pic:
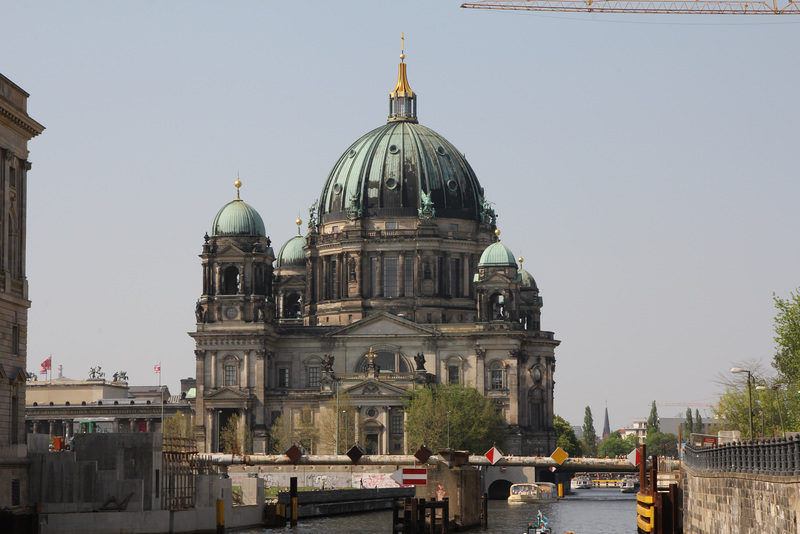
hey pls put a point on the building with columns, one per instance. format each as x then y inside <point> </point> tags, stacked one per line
<point>400,281</point>
<point>16,129</point>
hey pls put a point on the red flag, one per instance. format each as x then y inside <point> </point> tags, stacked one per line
<point>157,368</point>
<point>46,365</point>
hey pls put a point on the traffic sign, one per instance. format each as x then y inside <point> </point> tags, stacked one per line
<point>411,476</point>
<point>493,455</point>
<point>559,455</point>
<point>634,457</point>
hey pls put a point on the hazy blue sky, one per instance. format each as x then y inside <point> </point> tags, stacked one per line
<point>644,166</point>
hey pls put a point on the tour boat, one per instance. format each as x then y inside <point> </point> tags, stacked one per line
<point>538,492</point>
<point>582,482</point>
<point>629,485</point>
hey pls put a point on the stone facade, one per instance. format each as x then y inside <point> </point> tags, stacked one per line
<point>399,282</point>
<point>16,129</point>
<point>719,503</point>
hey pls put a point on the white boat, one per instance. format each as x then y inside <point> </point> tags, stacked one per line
<point>582,482</point>
<point>629,485</point>
<point>537,492</point>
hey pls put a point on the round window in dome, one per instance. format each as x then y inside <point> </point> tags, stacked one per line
<point>393,149</point>
<point>452,185</point>
<point>391,183</point>
<point>337,188</point>
<point>352,153</point>
<point>440,150</point>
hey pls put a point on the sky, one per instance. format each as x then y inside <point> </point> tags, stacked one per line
<point>645,167</point>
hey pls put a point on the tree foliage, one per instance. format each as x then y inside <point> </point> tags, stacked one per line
<point>787,337</point>
<point>653,422</point>
<point>300,430</point>
<point>688,425</point>
<point>698,422</point>
<point>235,437</point>
<point>659,443</point>
<point>178,426</point>
<point>566,438</point>
<point>456,414</point>
<point>589,434</point>
<point>342,418</point>
<point>614,445</point>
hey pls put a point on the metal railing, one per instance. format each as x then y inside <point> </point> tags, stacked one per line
<point>775,457</point>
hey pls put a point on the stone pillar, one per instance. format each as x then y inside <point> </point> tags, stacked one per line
<point>379,274</point>
<point>480,370</point>
<point>401,273</point>
<point>245,383</point>
<point>213,377</point>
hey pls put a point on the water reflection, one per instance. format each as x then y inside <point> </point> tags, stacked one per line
<point>594,511</point>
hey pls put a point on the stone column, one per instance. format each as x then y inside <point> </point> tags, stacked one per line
<point>379,274</point>
<point>213,381</point>
<point>401,273</point>
<point>246,370</point>
<point>480,370</point>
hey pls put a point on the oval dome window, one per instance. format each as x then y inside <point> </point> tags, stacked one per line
<point>391,183</point>
<point>452,185</point>
<point>393,149</point>
<point>337,188</point>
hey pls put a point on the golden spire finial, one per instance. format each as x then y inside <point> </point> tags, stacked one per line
<point>520,260</point>
<point>402,46</point>
<point>497,233</point>
<point>298,222</point>
<point>237,184</point>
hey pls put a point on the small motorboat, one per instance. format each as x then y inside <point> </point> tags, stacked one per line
<point>629,485</point>
<point>537,492</point>
<point>540,527</point>
<point>582,482</point>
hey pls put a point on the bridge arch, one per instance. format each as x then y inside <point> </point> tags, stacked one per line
<point>499,489</point>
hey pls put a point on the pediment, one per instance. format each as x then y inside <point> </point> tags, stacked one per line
<point>292,281</point>
<point>229,250</point>
<point>495,279</point>
<point>227,393</point>
<point>375,388</point>
<point>383,324</point>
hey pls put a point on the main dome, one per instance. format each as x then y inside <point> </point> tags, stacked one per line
<point>399,168</point>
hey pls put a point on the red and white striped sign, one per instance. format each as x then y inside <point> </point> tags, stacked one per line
<point>493,455</point>
<point>411,476</point>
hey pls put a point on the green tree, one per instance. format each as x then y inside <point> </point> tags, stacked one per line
<point>349,425</point>
<point>633,440</point>
<point>659,443</point>
<point>178,426</point>
<point>566,438</point>
<point>688,426</point>
<point>456,414</point>
<point>698,422</point>
<point>614,446</point>
<point>653,422</point>
<point>787,337</point>
<point>235,437</point>
<point>589,435</point>
<point>301,431</point>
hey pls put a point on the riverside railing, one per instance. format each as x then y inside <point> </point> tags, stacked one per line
<point>775,457</point>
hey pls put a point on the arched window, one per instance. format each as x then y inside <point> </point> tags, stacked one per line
<point>313,367</point>
<point>230,281</point>
<point>497,306</point>
<point>454,370</point>
<point>387,360</point>
<point>292,306</point>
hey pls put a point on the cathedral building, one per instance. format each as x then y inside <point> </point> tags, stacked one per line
<point>16,129</point>
<point>400,281</point>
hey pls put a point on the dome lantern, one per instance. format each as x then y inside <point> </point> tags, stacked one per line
<point>402,101</point>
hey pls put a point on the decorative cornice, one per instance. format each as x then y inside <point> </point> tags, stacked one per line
<point>21,120</point>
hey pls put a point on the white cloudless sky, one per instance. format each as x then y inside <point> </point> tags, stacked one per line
<point>646,168</point>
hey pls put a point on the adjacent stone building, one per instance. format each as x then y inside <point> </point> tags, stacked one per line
<point>16,129</point>
<point>399,281</point>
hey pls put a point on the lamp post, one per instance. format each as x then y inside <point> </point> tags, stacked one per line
<point>737,370</point>
<point>775,388</point>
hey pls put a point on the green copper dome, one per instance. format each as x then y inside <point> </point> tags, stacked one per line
<point>237,218</point>
<point>526,280</point>
<point>399,168</point>
<point>292,253</point>
<point>497,255</point>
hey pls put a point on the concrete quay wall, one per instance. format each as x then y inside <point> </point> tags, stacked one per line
<point>720,503</point>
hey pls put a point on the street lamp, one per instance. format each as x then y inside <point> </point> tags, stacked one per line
<point>737,370</point>
<point>775,388</point>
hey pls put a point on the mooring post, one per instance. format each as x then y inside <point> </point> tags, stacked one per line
<point>293,500</point>
<point>485,510</point>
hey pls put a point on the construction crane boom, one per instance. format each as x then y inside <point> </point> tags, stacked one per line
<point>676,7</point>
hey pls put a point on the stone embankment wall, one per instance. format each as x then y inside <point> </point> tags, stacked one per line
<point>729,502</point>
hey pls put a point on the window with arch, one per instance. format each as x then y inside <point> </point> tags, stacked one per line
<point>230,370</point>
<point>293,306</point>
<point>497,304</point>
<point>313,372</point>
<point>388,360</point>
<point>497,376</point>
<point>230,280</point>
<point>455,370</point>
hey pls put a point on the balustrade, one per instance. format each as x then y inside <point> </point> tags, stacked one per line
<point>777,457</point>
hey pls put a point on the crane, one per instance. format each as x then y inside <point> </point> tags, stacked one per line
<point>675,7</point>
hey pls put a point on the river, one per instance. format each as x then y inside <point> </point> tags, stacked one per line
<point>594,511</point>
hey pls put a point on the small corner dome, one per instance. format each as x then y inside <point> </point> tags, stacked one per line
<point>526,280</point>
<point>497,255</point>
<point>292,253</point>
<point>237,218</point>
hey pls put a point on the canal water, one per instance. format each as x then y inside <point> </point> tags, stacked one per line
<point>593,511</point>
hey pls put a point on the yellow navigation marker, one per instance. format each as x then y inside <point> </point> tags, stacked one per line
<point>559,455</point>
